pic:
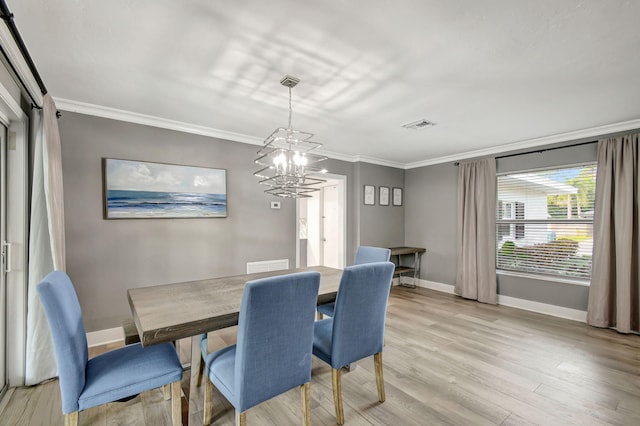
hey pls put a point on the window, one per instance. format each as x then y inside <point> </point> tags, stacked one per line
<point>544,221</point>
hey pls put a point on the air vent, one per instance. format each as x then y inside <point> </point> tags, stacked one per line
<point>419,124</point>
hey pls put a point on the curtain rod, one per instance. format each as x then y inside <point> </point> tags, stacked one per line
<point>539,151</point>
<point>7,16</point>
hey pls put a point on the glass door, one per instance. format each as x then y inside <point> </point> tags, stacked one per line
<point>5,258</point>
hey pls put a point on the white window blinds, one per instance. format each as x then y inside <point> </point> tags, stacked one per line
<point>544,221</point>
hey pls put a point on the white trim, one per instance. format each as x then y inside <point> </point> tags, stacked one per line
<point>180,126</point>
<point>591,132</point>
<point>547,278</point>
<point>17,224</point>
<point>379,162</point>
<point>149,120</point>
<point>543,308</point>
<point>103,337</point>
<point>12,105</point>
<point>17,60</point>
<point>526,305</point>
<point>433,285</point>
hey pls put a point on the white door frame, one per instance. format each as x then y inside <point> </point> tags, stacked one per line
<point>342,181</point>
<point>16,121</point>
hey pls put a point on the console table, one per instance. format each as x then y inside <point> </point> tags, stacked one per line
<point>404,269</point>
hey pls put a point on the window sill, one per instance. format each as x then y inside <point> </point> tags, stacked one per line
<point>573,281</point>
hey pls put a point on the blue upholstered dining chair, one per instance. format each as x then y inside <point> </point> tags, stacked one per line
<point>109,377</point>
<point>356,330</point>
<point>364,255</point>
<point>273,350</point>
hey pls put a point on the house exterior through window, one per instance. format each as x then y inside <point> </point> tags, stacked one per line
<point>544,221</point>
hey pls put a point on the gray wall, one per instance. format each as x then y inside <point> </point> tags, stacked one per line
<point>106,257</point>
<point>430,222</point>
<point>381,226</point>
<point>430,219</point>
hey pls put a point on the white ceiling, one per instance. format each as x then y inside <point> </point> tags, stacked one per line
<point>489,72</point>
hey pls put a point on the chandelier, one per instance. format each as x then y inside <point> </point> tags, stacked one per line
<point>286,159</point>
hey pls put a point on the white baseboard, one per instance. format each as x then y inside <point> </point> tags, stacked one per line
<point>102,337</point>
<point>433,285</point>
<point>513,302</point>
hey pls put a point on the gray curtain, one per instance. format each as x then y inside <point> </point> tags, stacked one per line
<point>614,295</point>
<point>476,258</point>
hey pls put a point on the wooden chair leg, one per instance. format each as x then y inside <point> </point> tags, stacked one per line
<point>166,391</point>
<point>319,316</point>
<point>241,418</point>
<point>200,371</point>
<point>208,402</point>
<point>306,404</point>
<point>337,395</point>
<point>176,403</point>
<point>377,360</point>
<point>71,419</point>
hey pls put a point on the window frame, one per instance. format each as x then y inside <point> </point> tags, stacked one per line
<point>514,224</point>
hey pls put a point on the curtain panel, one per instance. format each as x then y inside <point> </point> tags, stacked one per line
<point>614,294</point>
<point>476,255</point>
<point>46,238</point>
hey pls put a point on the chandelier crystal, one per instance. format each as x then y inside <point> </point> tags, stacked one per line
<point>286,159</point>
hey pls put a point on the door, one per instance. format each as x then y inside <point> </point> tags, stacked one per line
<point>330,226</point>
<point>321,221</point>
<point>5,258</point>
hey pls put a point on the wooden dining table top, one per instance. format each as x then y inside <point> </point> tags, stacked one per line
<point>170,312</point>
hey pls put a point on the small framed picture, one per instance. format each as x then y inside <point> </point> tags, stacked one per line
<point>397,196</point>
<point>383,197</point>
<point>369,195</point>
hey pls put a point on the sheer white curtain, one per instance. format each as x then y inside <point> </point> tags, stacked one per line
<point>476,260</point>
<point>614,294</point>
<point>46,238</point>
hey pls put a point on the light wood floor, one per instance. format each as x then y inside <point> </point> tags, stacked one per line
<point>446,361</point>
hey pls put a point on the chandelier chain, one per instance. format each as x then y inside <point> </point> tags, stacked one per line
<point>290,108</point>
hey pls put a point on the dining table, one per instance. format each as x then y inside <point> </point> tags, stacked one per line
<point>171,312</point>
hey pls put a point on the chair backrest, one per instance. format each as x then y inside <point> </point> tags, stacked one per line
<point>360,311</point>
<point>275,336</point>
<point>366,254</point>
<point>63,313</point>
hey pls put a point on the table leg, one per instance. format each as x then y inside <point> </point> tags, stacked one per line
<point>195,365</point>
<point>189,352</point>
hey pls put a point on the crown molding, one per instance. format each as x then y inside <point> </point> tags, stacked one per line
<point>14,56</point>
<point>380,162</point>
<point>149,120</point>
<point>591,132</point>
<point>180,126</point>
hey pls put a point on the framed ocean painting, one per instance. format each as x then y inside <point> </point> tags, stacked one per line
<point>142,190</point>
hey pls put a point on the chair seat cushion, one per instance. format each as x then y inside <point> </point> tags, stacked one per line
<point>322,339</point>
<point>127,371</point>
<point>327,309</point>
<point>220,368</point>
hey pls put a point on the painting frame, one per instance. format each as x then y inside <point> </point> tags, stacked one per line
<point>397,196</point>
<point>139,189</point>
<point>369,195</point>
<point>383,195</point>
